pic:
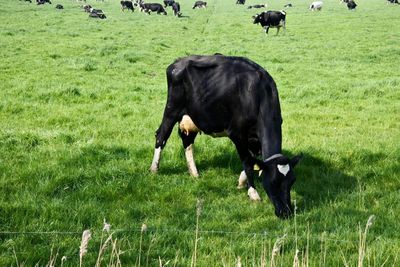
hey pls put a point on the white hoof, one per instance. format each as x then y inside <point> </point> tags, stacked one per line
<point>253,195</point>
<point>242,180</point>
<point>194,174</point>
<point>153,168</point>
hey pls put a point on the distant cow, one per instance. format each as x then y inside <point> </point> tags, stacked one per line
<point>152,7</point>
<point>317,5</point>
<point>393,2</point>
<point>351,5</point>
<point>199,4</point>
<point>271,19</point>
<point>94,13</point>
<point>58,6</point>
<point>257,6</point>
<point>168,3</point>
<point>240,2</point>
<point>42,2</point>
<point>97,15</point>
<point>177,9</point>
<point>87,8</point>
<point>127,5</point>
<point>234,97</point>
<point>288,5</point>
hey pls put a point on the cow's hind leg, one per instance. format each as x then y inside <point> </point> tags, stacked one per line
<point>188,141</point>
<point>172,114</point>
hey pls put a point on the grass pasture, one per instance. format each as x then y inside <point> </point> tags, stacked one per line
<point>80,100</point>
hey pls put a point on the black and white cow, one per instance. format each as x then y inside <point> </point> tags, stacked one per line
<point>317,5</point>
<point>127,5</point>
<point>234,97</point>
<point>97,13</point>
<point>86,8</point>
<point>351,5</point>
<point>168,3</point>
<point>176,7</point>
<point>288,5</point>
<point>393,1</point>
<point>58,6</point>
<point>200,4</point>
<point>42,2</point>
<point>240,2</point>
<point>257,6</point>
<point>152,7</point>
<point>271,19</point>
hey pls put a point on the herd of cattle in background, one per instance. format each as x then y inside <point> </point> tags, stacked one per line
<point>267,19</point>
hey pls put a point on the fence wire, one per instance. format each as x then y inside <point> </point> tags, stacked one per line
<point>323,237</point>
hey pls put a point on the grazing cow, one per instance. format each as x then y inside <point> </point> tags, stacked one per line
<point>176,7</point>
<point>271,19</point>
<point>87,8</point>
<point>155,7</point>
<point>351,5</point>
<point>127,5</point>
<point>317,5</point>
<point>97,13</point>
<point>288,5</point>
<point>30,1</point>
<point>42,2</point>
<point>257,6</point>
<point>200,4</point>
<point>393,2</point>
<point>234,97</point>
<point>168,3</point>
<point>240,2</point>
<point>58,6</point>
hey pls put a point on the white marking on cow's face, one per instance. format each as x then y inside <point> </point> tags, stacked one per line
<point>190,161</point>
<point>284,169</point>
<point>156,160</point>
<point>253,195</point>
<point>242,180</point>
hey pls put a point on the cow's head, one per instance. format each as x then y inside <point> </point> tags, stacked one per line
<point>278,178</point>
<point>257,18</point>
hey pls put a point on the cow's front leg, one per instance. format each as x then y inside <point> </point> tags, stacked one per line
<point>242,181</point>
<point>251,188</point>
<point>188,142</point>
<point>248,165</point>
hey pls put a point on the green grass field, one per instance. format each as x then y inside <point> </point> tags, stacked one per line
<point>80,100</point>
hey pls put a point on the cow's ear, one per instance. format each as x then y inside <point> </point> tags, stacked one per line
<point>293,162</point>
